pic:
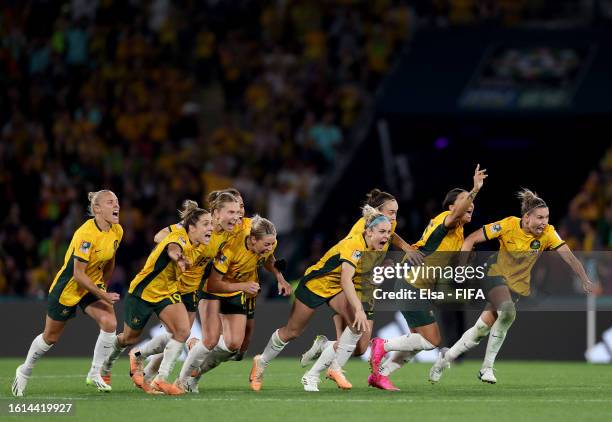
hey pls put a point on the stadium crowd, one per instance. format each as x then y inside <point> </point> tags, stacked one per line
<point>97,93</point>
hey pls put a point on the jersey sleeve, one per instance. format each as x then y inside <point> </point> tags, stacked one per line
<point>178,237</point>
<point>350,252</point>
<point>495,230</point>
<point>83,245</point>
<point>553,240</point>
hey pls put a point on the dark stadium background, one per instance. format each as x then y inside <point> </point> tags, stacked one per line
<point>214,94</point>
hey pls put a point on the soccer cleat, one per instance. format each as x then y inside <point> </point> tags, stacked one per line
<point>435,373</point>
<point>136,369</point>
<point>487,375</point>
<point>256,375</point>
<point>191,385</point>
<point>106,376</point>
<point>165,387</point>
<point>377,354</point>
<point>315,350</point>
<point>382,382</point>
<point>310,383</point>
<point>98,382</point>
<point>20,383</point>
<point>339,378</point>
<point>238,356</point>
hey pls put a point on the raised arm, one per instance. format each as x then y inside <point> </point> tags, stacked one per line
<point>454,217</point>
<point>412,255</point>
<point>569,257</point>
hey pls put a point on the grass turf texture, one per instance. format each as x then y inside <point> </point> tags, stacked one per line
<point>525,391</point>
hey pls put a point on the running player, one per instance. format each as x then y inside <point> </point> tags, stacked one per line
<point>444,234</point>
<point>332,280</point>
<point>188,285</point>
<point>387,205</point>
<point>88,266</point>
<point>234,283</point>
<point>521,241</point>
<point>155,290</point>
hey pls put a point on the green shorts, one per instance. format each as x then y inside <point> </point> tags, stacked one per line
<point>138,311</point>
<point>234,305</point>
<point>309,298</point>
<point>420,312</point>
<point>419,318</point>
<point>490,282</point>
<point>59,312</point>
<point>190,300</point>
<point>367,308</point>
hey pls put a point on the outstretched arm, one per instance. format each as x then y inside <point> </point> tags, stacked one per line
<point>284,288</point>
<point>454,217</point>
<point>569,257</point>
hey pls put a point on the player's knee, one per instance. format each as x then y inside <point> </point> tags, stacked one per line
<point>108,323</point>
<point>233,346</point>
<point>181,335</point>
<point>51,338</point>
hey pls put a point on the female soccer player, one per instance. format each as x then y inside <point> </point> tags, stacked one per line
<point>88,265</point>
<point>443,234</point>
<point>188,288</point>
<point>234,282</point>
<point>154,289</point>
<point>521,241</point>
<point>331,280</point>
<point>386,204</point>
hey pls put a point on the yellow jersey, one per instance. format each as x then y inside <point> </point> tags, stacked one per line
<point>218,240</point>
<point>189,281</point>
<point>359,227</point>
<point>158,278</point>
<point>323,278</point>
<point>438,243</point>
<point>518,251</point>
<point>92,245</point>
<point>438,237</point>
<point>237,263</point>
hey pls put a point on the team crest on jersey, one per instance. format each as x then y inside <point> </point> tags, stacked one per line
<point>222,258</point>
<point>356,255</point>
<point>535,244</point>
<point>85,246</point>
<point>496,228</point>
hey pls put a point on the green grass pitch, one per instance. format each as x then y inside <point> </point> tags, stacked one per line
<point>525,391</point>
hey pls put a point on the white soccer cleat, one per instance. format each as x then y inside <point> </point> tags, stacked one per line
<point>487,375</point>
<point>98,382</point>
<point>315,350</point>
<point>310,383</point>
<point>435,373</point>
<point>191,385</point>
<point>20,383</point>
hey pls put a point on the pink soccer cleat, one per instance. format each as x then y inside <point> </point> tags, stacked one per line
<point>382,382</point>
<point>377,353</point>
